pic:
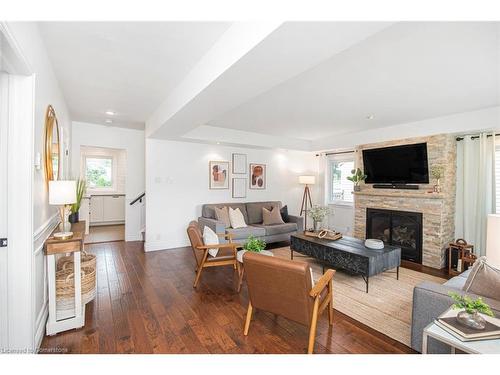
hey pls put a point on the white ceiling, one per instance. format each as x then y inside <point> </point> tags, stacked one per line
<point>301,83</point>
<point>407,72</point>
<point>127,67</point>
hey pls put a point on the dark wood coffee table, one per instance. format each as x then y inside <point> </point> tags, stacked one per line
<point>349,254</point>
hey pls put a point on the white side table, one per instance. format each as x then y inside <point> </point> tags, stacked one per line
<point>472,347</point>
<point>239,257</point>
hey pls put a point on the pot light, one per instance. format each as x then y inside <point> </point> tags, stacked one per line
<point>370,117</point>
<point>108,121</point>
<point>110,113</point>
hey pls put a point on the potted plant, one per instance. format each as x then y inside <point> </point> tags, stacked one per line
<point>471,310</point>
<point>81,185</point>
<point>254,244</point>
<point>437,172</point>
<point>318,214</point>
<point>356,178</point>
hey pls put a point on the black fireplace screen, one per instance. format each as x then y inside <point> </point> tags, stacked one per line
<point>398,228</point>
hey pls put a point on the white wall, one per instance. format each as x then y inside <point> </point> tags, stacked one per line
<point>177,179</point>
<point>46,91</point>
<point>130,140</point>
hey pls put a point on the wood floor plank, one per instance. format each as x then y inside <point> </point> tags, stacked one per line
<point>145,303</point>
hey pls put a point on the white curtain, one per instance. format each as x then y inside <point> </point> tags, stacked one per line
<point>475,197</point>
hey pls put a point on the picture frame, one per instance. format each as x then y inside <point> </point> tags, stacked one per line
<point>239,187</point>
<point>218,175</point>
<point>239,163</point>
<point>257,176</point>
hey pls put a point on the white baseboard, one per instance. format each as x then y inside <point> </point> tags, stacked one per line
<point>40,325</point>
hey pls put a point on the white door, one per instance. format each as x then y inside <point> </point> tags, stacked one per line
<point>3,209</point>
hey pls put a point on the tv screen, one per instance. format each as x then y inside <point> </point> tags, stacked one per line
<point>405,164</point>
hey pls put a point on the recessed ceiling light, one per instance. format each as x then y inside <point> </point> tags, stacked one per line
<point>370,117</point>
<point>108,121</point>
<point>110,113</point>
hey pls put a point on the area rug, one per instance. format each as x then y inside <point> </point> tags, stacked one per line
<point>386,308</point>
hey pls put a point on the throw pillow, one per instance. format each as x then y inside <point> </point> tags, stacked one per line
<point>222,214</point>
<point>284,214</point>
<point>483,280</point>
<point>236,218</point>
<point>271,217</point>
<point>210,238</point>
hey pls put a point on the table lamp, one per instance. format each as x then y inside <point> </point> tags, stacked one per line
<point>306,198</point>
<point>63,194</point>
<point>493,240</point>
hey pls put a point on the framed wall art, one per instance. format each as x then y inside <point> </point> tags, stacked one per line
<point>257,176</point>
<point>239,163</point>
<point>239,187</point>
<point>218,174</point>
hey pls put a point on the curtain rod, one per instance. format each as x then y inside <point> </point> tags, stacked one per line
<point>458,139</point>
<point>337,153</point>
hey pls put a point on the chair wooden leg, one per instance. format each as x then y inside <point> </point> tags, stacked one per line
<point>240,278</point>
<point>330,305</point>
<point>312,330</point>
<point>200,269</point>
<point>249,318</point>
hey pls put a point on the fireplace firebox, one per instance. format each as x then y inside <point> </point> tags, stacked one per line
<point>398,228</point>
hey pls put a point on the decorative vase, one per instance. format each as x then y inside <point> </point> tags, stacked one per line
<point>474,320</point>
<point>73,218</point>
<point>357,188</point>
<point>316,224</point>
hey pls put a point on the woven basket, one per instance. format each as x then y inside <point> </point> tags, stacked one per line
<point>86,260</point>
<point>65,287</point>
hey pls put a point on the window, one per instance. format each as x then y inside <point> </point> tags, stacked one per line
<point>497,179</point>
<point>99,172</point>
<point>340,187</point>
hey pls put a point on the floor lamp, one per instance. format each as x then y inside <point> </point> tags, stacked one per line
<point>306,198</point>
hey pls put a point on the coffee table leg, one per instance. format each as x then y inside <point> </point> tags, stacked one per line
<point>291,253</point>
<point>367,280</point>
<point>397,273</point>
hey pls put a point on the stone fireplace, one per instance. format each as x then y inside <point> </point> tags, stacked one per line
<point>436,210</point>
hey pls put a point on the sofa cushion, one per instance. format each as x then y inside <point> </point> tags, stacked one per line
<point>244,233</point>
<point>254,210</point>
<point>236,218</point>
<point>483,280</point>
<point>271,217</point>
<point>284,214</point>
<point>222,215</point>
<point>278,228</point>
<point>208,210</point>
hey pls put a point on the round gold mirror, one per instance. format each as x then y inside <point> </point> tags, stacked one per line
<point>52,150</point>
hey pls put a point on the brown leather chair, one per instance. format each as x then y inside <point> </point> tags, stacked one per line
<point>284,287</point>
<point>225,257</point>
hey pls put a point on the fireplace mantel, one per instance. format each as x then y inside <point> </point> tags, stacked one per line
<point>400,193</point>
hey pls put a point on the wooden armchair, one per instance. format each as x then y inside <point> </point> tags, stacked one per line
<point>225,257</point>
<point>284,287</point>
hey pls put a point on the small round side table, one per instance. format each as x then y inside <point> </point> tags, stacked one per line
<point>239,257</point>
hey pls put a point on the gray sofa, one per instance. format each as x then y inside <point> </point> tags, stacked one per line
<point>429,301</point>
<point>252,212</point>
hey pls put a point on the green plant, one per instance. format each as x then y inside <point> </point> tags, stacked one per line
<point>318,213</point>
<point>357,176</point>
<point>470,305</point>
<point>254,244</point>
<point>81,185</point>
<point>437,171</point>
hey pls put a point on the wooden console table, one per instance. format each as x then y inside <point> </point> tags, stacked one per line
<point>53,247</point>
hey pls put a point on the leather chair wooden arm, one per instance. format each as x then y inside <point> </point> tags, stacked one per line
<point>284,287</point>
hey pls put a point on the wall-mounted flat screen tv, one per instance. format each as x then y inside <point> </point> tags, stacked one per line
<point>405,164</point>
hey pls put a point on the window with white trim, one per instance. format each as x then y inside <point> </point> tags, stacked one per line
<point>497,179</point>
<point>340,188</point>
<point>99,172</point>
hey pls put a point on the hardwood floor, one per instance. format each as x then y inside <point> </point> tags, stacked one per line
<point>146,304</point>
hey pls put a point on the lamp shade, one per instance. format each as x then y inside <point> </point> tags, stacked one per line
<point>62,192</point>
<point>307,180</point>
<point>493,240</point>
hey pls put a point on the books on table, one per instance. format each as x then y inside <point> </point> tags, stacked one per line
<point>449,323</point>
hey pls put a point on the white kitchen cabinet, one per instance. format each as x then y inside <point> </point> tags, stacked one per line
<point>107,209</point>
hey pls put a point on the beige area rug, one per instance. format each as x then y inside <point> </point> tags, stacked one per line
<point>105,233</point>
<point>386,308</point>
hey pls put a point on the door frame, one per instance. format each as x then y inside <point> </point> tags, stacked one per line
<point>20,141</point>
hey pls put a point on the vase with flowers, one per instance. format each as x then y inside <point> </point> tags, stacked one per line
<point>318,214</point>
